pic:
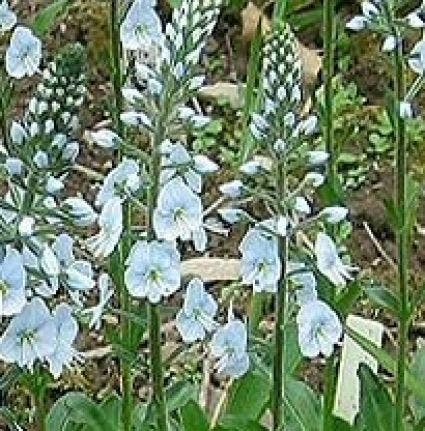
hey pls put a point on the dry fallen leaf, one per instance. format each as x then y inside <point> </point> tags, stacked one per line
<point>212,269</point>
<point>232,93</point>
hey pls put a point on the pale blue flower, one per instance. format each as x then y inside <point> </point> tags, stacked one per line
<point>329,263</point>
<point>178,213</point>
<point>30,335</point>
<point>7,17</point>
<point>178,162</point>
<point>229,346</point>
<point>334,214</point>
<point>105,138</point>
<point>80,211</point>
<point>106,292</point>
<point>136,119</point>
<point>24,53</point>
<point>120,180</point>
<point>417,58</point>
<point>77,274</point>
<point>18,134</point>
<point>196,318</point>
<point>317,157</point>
<point>260,266</point>
<point>67,330</point>
<point>14,166</point>
<point>233,215</point>
<point>319,329</point>
<point>204,165</point>
<point>232,189</point>
<point>304,280</point>
<point>26,226</point>
<point>12,283</point>
<point>141,26</point>
<point>111,225</point>
<point>153,270</point>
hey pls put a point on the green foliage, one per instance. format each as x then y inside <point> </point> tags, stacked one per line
<point>193,418</point>
<point>376,407</point>
<point>75,409</point>
<point>45,20</point>
<point>302,407</point>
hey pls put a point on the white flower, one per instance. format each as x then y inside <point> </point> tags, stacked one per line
<point>204,165</point>
<point>260,266</point>
<point>232,189</point>
<point>14,166</point>
<point>301,205</point>
<point>81,211</point>
<point>30,335</point>
<point>77,274</point>
<point>405,110</point>
<point>67,330</point>
<point>304,280</point>
<point>178,213</point>
<point>315,179</point>
<point>317,157</point>
<point>196,318</point>
<point>120,180</point>
<point>417,58</point>
<point>12,283</point>
<point>318,329</point>
<point>111,225</point>
<point>389,44</point>
<point>357,23</point>
<point>334,215</point>
<point>137,119</point>
<point>17,133</point>
<point>105,294</point>
<point>141,26</point>
<point>105,138</point>
<point>229,346</point>
<point>178,162</point>
<point>416,19</point>
<point>7,18</point>
<point>329,263</point>
<point>232,215</point>
<point>24,53</point>
<point>153,270</point>
<point>26,226</point>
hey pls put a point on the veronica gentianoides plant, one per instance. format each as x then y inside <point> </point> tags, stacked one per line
<point>277,254</point>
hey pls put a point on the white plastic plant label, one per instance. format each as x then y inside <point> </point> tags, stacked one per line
<point>348,386</point>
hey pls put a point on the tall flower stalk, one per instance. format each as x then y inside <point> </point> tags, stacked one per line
<point>329,70</point>
<point>272,250</point>
<point>332,168</point>
<point>119,257</point>
<point>402,233</point>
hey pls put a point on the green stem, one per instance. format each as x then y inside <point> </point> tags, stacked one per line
<point>401,235</point>
<point>281,301</point>
<point>156,367</point>
<point>119,258</point>
<point>329,394</point>
<point>329,70</point>
<point>39,390</point>
<point>154,311</point>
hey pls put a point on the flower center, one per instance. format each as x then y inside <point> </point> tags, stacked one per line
<point>27,336</point>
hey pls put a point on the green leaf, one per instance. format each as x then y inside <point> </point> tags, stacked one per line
<point>249,396</point>
<point>414,384</point>
<point>376,408</point>
<point>46,18</point>
<point>77,408</point>
<point>302,407</point>
<point>348,297</point>
<point>418,370</point>
<point>193,417</point>
<point>341,425</point>
<point>384,297</point>
<point>293,355</point>
<point>179,394</point>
